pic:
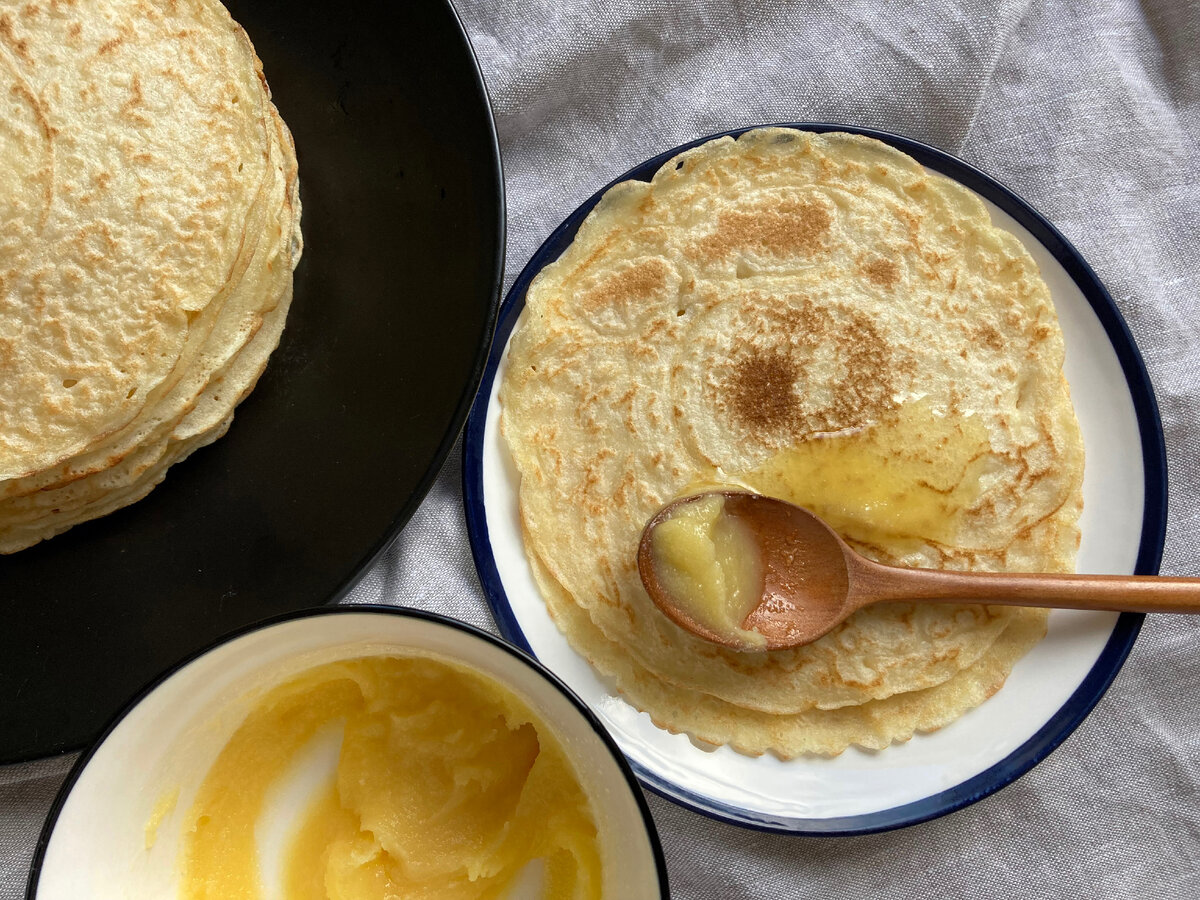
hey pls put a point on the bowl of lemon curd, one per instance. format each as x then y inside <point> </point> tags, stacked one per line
<point>347,753</point>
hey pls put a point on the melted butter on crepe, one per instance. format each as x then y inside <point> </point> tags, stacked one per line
<point>780,309</point>
<point>910,479</point>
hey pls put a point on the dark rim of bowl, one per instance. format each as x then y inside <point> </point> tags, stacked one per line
<point>660,863</point>
<point>1150,548</point>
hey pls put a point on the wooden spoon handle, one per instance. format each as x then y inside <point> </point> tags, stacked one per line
<point>1127,593</point>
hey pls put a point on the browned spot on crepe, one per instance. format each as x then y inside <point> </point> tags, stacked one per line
<point>762,393</point>
<point>793,226</point>
<point>637,282</point>
<point>882,272</point>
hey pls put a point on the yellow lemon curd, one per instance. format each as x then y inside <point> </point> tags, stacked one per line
<point>447,786</point>
<point>710,564</point>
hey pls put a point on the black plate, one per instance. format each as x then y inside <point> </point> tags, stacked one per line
<point>394,308</point>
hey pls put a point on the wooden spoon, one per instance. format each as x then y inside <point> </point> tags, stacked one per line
<point>812,581</point>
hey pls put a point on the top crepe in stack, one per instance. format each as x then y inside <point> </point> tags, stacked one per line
<point>149,226</point>
<point>794,299</point>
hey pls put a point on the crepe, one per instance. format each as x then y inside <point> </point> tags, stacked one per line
<point>161,237</point>
<point>872,724</point>
<point>787,312</point>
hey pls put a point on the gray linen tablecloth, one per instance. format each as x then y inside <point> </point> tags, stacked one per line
<point>1089,111</point>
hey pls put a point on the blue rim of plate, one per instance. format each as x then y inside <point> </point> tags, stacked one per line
<point>404,612</point>
<point>1150,548</point>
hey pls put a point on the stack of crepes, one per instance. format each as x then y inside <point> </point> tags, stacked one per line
<point>820,319</point>
<point>149,226</point>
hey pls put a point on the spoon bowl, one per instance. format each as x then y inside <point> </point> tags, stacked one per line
<point>812,580</point>
<point>805,572</point>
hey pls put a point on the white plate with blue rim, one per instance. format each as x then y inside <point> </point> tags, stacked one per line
<point>1050,690</point>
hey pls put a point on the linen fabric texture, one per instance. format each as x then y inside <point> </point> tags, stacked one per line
<point>1089,112</point>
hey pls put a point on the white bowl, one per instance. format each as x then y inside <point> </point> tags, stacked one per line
<point>94,841</point>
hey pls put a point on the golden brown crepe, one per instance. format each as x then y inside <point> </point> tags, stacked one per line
<point>818,318</point>
<point>149,226</point>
